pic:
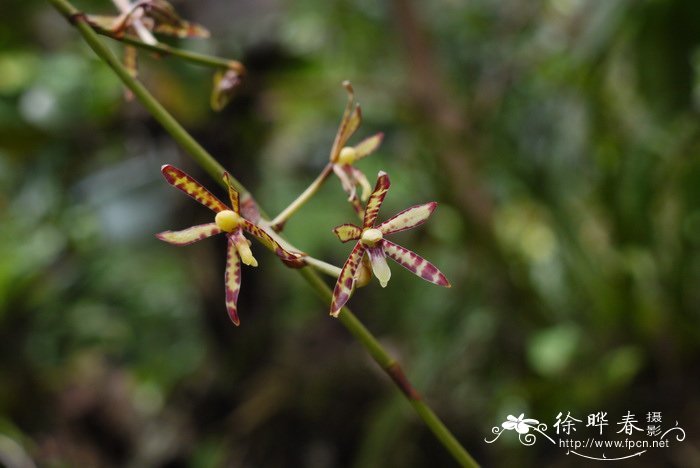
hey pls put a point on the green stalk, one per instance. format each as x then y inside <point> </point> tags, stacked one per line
<point>165,50</point>
<point>211,166</point>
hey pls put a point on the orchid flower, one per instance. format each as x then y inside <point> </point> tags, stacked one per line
<point>343,157</point>
<point>370,240</point>
<point>143,18</point>
<point>227,220</point>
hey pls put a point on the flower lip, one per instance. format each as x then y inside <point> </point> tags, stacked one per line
<point>371,236</point>
<point>227,220</point>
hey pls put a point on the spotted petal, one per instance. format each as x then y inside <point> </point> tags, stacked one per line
<point>415,263</point>
<point>189,235</point>
<point>352,116</point>
<point>346,280</point>
<point>376,199</point>
<point>347,232</point>
<point>408,218</point>
<point>269,242</point>
<point>368,146</point>
<point>232,280</point>
<point>191,187</point>
<point>232,193</point>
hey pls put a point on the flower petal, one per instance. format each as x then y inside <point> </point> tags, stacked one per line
<point>232,193</point>
<point>167,21</point>
<point>347,232</point>
<point>232,280</point>
<point>249,208</point>
<point>344,173</point>
<point>352,116</point>
<point>191,187</point>
<point>143,32</point>
<point>509,425</point>
<point>415,264</point>
<point>368,146</point>
<point>379,266</point>
<point>269,242</point>
<point>226,84</point>
<point>408,218</point>
<point>189,235</point>
<point>346,280</point>
<point>376,199</point>
<point>361,180</point>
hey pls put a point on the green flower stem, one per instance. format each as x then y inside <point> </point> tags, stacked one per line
<point>320,265</point>
<point>164,49</point>
<point>277,224</point>
<point>394,370</point>
<point>209,164</point>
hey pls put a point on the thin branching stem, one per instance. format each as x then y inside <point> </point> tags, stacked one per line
<point>167,50</point>
<point>211,166</point>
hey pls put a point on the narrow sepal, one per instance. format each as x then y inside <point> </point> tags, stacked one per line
<point>368,146</point>
<point>226,84</point>
<point>415,263</point>
<point>189,235</point>
<point>352,117</point>
<point>379,266</point>
<point>270,243</point>
<point>182,30</point>
<point>249,208</point>
<point>375,200</point>
<point>232,280</point>
<point>408,218</point>
<point>167,21</point>
<point>346,280</point>
<point>347,232</point>
<point>361,180</point>
<point>232,193</point>
<point>191,187</point>
<point>344,173</point>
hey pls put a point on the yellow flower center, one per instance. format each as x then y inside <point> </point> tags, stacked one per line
<point>370,237</point>
<point>347,155</point>
<point>227,220</point>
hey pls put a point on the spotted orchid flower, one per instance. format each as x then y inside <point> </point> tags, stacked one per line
<point>142,18</point>
<point>227,220</point>
<point>343,157</point>
<point>370,240</point>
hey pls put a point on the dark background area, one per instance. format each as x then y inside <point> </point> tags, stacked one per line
<point>560,137</point>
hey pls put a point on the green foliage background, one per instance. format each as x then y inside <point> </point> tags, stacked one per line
<point>560,137</point>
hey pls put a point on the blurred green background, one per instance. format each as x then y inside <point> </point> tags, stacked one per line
<point>560,137</point>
